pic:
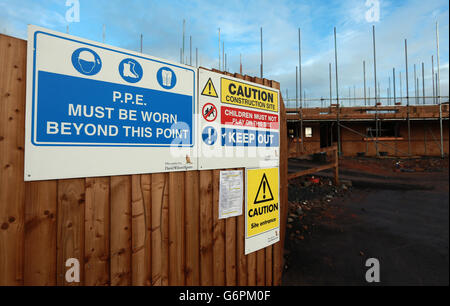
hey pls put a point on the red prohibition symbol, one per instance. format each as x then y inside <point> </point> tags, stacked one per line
<point>209,112</point>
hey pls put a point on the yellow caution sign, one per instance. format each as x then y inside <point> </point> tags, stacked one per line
<point>242,94</point>
<point>262,209</point>
<point>209,89</point>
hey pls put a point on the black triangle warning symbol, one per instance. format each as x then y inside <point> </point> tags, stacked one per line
<point>209,89</point>
<point>264,193</point>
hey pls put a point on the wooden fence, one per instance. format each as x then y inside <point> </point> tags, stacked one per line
<point>334,164</point>
<point>149,229</point>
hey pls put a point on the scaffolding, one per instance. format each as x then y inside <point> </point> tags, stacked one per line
<point>376,103</point>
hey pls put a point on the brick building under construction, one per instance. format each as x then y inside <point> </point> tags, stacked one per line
<point>415,130</point>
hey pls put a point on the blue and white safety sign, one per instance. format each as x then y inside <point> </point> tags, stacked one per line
<point>249,138</point>
<point>130,70</point>
<point>94,109</point>
<point>209,135</point>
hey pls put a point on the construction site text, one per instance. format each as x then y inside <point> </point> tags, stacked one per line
<point>242,94</point>
<point>93,114</point>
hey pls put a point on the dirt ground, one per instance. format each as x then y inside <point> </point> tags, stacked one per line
<point>396,211</point>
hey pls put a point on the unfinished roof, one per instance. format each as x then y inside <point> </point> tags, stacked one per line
<point>397,112</point>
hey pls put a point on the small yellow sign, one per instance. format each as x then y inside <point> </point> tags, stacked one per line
<point>262,209</point>
<point>242,94</point>
<point>209,90</point>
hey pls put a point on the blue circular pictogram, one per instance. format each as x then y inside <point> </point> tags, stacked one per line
<point>130,70</point>
<point>166,78</point>
<point>86,61</point>
<point>209,135</point>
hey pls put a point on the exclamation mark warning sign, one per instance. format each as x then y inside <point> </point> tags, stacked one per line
<point>264,193</point>
<point>262,208</point>
<point>209,90</point>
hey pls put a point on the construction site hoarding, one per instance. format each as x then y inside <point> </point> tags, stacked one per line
<point>97,110</point>
<point>239,123</point>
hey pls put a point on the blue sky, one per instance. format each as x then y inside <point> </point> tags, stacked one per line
<point>161,24</point>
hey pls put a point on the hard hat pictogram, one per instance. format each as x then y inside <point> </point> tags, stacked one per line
<point>86,61</point>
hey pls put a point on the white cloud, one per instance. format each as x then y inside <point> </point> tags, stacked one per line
<point>16,16</point>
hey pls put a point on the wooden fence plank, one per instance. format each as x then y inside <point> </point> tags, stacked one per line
<point>158,184</point>
<point>146,187</point>
<point>97,216</point>
<point>279,247</point>
<point>206,255</point>
<point>70,237</point>
<point>176,229</point>
<point>242,279</point>
<point>120,230</point>
<point>192,226</point>
<point>40,233</point>
<point>218,235</point>
<point>251,269</point>
<point>230,251</point>
<point>165,233</point>
<point>260,267</point>
<point>269,265</point>
<point>12,135</point>
<point>140,243</point>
